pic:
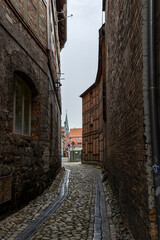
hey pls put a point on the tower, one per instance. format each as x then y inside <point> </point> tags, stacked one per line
<point>66,125</point>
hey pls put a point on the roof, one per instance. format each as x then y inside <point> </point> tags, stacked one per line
<point>75,132</point>
<point>99,72</point>
<point>88,89</point>
<point>77,142</point>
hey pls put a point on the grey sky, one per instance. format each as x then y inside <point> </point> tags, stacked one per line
<point>79,58</point>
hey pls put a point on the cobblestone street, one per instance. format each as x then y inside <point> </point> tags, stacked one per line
<point>81,215</point>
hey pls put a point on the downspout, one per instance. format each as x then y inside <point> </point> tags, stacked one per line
<point>48,32</point>
<point>153,105</point>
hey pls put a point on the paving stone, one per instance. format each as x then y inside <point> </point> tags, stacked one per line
<point>118,228</point>
<point>24,217</point>
<point>75,217</point>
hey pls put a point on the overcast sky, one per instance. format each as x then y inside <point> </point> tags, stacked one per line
<point>79,58</point>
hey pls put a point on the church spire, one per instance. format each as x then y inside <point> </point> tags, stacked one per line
<point>66,125</point>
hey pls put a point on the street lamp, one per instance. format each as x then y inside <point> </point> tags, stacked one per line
<point>57,84</point>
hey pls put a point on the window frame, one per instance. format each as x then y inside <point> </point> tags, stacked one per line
<point>24,86</point>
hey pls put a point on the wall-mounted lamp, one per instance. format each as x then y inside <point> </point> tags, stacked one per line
<point>57,84</point>
<point>63,19</point>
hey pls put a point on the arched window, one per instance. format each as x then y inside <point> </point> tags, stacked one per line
<point>22,107</point>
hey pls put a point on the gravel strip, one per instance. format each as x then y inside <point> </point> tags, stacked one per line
<point>118,228</point>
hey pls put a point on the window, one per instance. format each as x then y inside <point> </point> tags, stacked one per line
<point>22,107</point>
<point>51,123</point>
<point>91,120</point>
<point>52,30</point>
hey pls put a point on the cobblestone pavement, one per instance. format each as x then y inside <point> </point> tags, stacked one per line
<point>13,225</point>
<point>76,216</point>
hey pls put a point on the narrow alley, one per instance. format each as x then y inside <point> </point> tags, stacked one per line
<point>79,120</point>
<point>81,215</point>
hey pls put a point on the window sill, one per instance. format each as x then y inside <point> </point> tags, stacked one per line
<point>22,136</point>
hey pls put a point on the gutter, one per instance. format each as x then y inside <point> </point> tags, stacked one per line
<point>154,105</point>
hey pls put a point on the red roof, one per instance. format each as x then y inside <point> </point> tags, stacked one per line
<point>75,132</point>
<point>78,142</point>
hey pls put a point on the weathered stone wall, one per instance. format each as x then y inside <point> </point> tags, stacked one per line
<point>35,15</point>
<point>28,164</point>
<point>126,144</point>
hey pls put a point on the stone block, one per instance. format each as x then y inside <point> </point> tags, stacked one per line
<point>5,188</point>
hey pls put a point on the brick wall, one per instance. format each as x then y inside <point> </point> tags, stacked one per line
<point>28,164</point>
<point>93,110</point>
<point>158,52</point>
<point>90,138</point>
<point>126,142</point>
<point>34,14</point>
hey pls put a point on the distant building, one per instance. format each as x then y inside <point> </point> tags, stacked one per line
<point>71,142</point>
<point>94,112</point>
<point>75,144</point>
<point>66,126</point>
<point>75,133</point>
<point>62,141</point>
<point>65,137</point>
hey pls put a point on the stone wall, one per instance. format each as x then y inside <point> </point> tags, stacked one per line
<point>126,142</point>
<point>28,164</point>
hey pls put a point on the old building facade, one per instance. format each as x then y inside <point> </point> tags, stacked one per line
<point>75,144</point>
<point>132,143</point>
<point>131,118</point>
<point>71,141</point>
<point>94,112</point>
<point>65,137</point>
<point>31,37</point>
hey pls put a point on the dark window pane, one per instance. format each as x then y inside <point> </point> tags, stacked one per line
<point>26,111</point>
<point>18,107</point>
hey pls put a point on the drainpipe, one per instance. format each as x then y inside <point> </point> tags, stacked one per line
<point>48,24</point>
<point>153,105</point>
